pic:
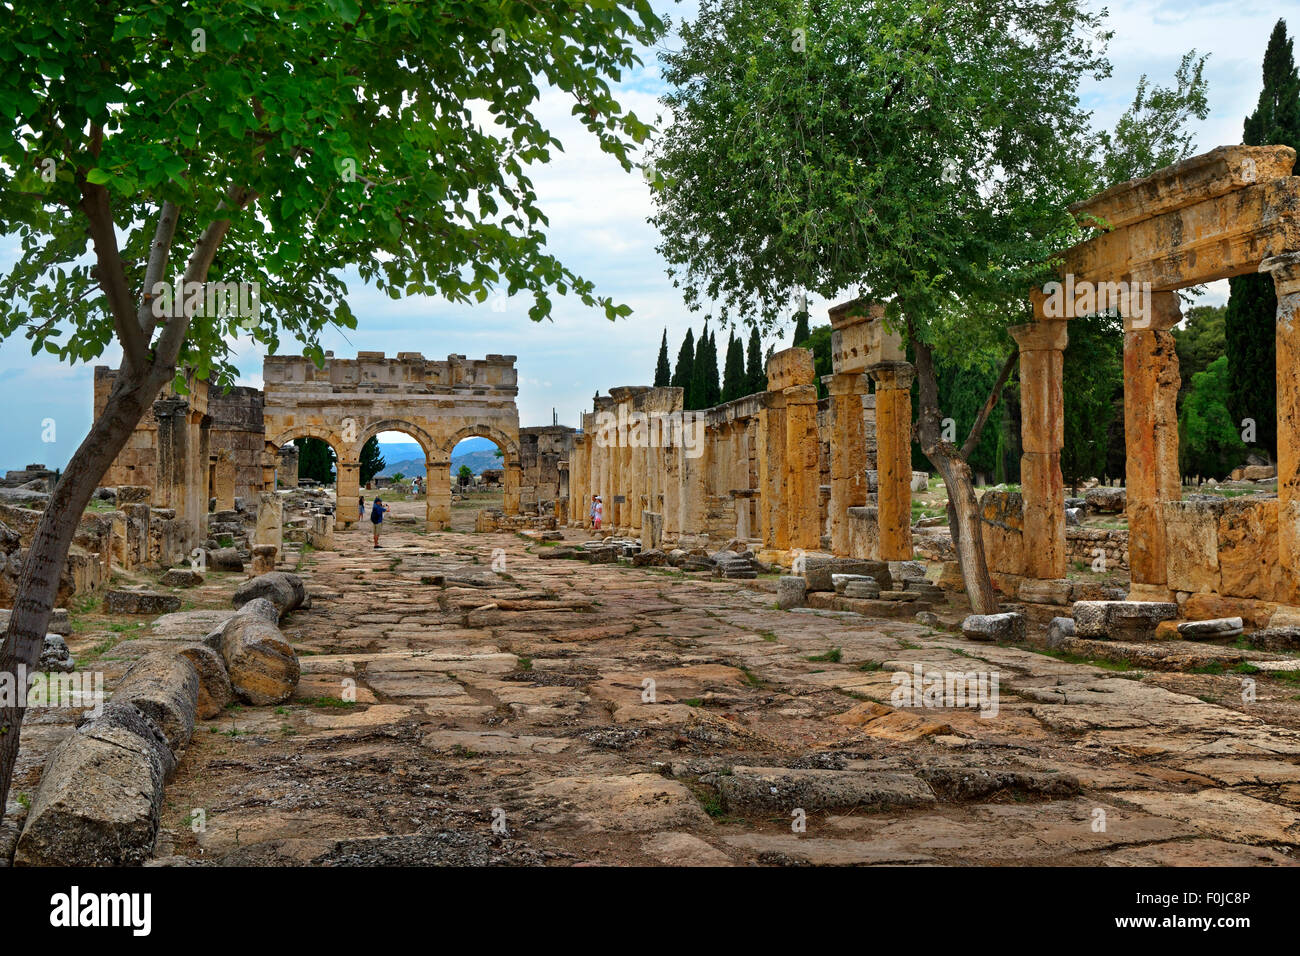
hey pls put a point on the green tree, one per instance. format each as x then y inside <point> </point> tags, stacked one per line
<point>684,372</point>
<point>921,152</point>
<point>1093,377</point>
<point>275,145</point>
<point>315,460</point>
<point>734,383</point>
<point>1251,322</point>
<point>800,328</point>
<point>754,370</point>
<point>1200,341</point>
<point>372,461</point>
<point>663,371</point>
<point>465,474</point>
<point>1209,444</point>
<point>705,392</point>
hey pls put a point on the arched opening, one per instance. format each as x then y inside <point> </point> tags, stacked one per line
<point>477,479</point>
<point>393,463</point>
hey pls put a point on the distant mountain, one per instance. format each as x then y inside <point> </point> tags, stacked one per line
<point>408,459</point>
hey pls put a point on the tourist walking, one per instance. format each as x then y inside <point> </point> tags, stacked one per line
<point>597,512</point>
<point>361,508</point>
<point>377,517</point>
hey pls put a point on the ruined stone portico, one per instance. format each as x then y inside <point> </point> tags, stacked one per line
<point>438,403</point>
<point>1232,211</point>
<point>779,468</point>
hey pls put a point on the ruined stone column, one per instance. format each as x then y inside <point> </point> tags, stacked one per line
<point>288,470</point>
<point>894,457</point>
<point>1286,279</point>
<point>1042,347</point>
<point>437,499</point>
<point>771,467</point>
<point>513,475</point>
<point>801,479</point>
<point>347,489</point>
<point>224,480</point>
<point>848,454</point>
<point>1152,478</point>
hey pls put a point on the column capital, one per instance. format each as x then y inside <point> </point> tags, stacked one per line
<point>1042,335</point>
<point>800,395</point>
<point>892,375</point>
<point>1162,313</point>
<point>846,383</point>
<point>1285,270</point>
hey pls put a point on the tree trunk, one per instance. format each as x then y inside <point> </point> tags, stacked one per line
<point>38,583</point>
<point>963,507</point>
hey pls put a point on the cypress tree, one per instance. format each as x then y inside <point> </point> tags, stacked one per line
<point>712,380</point>
<point>1250,324</point>
<point>685,371</point>
<point>663,371</point>
<point>754,372</point>
<point>697,396</point>
<point>800,328</point>
<point>734,383</point>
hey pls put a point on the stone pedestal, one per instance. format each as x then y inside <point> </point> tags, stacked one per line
<point>894,458</point>
<point>1042,358</point>
<point>1286,278</point>
<point>270,520</point>
<point>652,530</point>
<point>321,534</point>
<point>1152,478</point>
<point>512,481</point>
<point>223,480</point>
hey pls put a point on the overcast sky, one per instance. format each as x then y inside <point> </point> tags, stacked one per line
<point>598,227</point>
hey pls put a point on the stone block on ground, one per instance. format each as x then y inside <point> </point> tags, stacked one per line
<point>55,655</point>
<point>652,558</point>
<point>1218,629</point>
<point>1105,500</point>
<point>1121,620</point>
<point>1035,591</point>
<point>123,601</point>
<point>777,789</point>
<point>225,559</point>
<point>1008,627</point>
<point>819,571</point>
<point>790,591</point>
<point>181,578</point>
<point>1060,630</point>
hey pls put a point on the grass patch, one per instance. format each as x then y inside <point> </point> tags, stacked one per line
<point>870,666</point>
<point>830,657</point>
<point>336,702</point>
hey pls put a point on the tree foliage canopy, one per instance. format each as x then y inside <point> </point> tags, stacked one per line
<point>391,137</point>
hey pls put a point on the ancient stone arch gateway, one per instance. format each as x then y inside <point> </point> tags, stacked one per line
<point>437,403</point>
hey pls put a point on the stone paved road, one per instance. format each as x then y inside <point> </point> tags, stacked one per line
<point>515,699</point>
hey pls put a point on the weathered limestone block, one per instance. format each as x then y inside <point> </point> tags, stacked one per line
<point>164,686</point>
<point>1192,545</point>
<point>790,591</point>
<point>1121,620</point>
<point>819,570</point>
<point>1060,630</point>
<point>100,795</point>
<point>652,530</point>
<point>652,558</point>
<point>1223,628</point>
<point>225,559</point>
<point>270,519</point>
<point>776,789</point>
<point>864,532</point>
<point>55,655</point>
<point>1248,555</point>
<point>1008,627</point>
<point>284,590</point>
<point>181,578</point>
<point>122,601</point>
<point>1002,523</point>
<point>1035,591</point>
<point>262,665</point>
